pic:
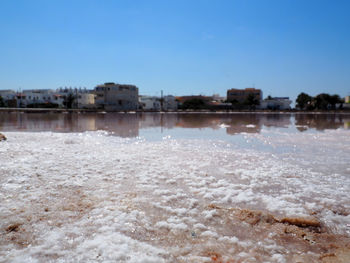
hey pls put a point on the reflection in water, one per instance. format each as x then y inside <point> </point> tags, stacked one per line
<point>128,125</point>
<point>347,125</point>
<point>321,121</point>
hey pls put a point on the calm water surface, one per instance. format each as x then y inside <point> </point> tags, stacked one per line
<point>183,125</point>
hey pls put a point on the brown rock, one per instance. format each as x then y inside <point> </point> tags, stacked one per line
<point>13,227</point>
<point>2,137</point>
<point>301,221</point>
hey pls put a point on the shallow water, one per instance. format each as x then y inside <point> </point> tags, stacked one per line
<point>181,125</point>
<point>173,187</point>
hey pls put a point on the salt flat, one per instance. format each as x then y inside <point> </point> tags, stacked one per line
<point>95,197</point>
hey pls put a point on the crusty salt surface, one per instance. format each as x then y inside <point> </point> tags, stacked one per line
<point>92,197</point>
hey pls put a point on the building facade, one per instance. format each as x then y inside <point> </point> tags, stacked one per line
<point>170,103</point>
<point>77,97</point>
<point>150,103</point>
<point>37,96</point>
<point>85,100</point>
<point>118,97</point>
<point>7,94</point>
<point>241,95</point>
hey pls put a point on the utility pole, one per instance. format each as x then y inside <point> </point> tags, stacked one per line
<point>161,100</point>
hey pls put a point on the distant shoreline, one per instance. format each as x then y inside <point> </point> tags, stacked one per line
<point>101,111</point>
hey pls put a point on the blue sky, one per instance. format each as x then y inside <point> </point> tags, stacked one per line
<point>182,47</point>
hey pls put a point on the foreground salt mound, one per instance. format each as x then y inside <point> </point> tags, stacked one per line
<point>92,197</point>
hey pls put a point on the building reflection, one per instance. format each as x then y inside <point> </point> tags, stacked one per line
<point>244,124</point>
<point>129,125</point>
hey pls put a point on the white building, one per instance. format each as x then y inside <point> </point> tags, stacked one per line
<point>276,103</point>
<point>170,103</point>
<point>218,98</point>
<point>154,103</point>
<point>119,97</point>
<point>86,100</point>
<point>150,103</point>
<point>37,96</point>
<point>81,98</point>
<point>27,97</point>
<point>7,94</point>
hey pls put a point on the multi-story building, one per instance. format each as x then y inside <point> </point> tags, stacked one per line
<point>240,95</point>
<point>112,96</point>
<point>36,96</point>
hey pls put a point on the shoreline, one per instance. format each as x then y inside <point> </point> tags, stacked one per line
<point>101,111</point>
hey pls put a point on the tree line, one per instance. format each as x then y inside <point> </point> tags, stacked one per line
<point>322,101</point>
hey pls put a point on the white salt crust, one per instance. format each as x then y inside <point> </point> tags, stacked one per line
<point>92,197</point>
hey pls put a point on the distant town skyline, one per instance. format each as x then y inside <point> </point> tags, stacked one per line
<point>180,47</point>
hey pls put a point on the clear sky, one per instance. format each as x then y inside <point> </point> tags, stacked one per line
<point>183,47</point>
